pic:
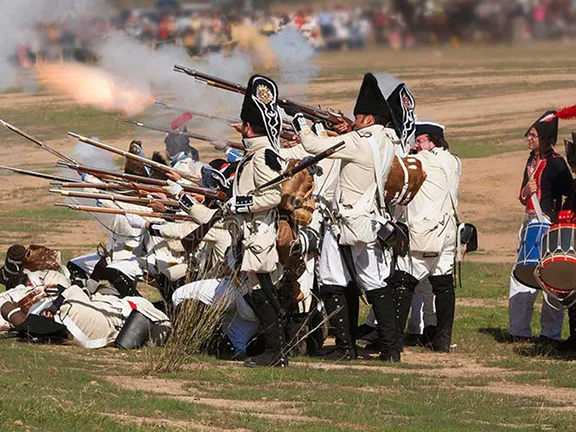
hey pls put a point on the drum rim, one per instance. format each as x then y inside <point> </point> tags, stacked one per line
<point>538,278</point>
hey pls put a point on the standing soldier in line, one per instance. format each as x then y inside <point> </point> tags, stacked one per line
<point>351,253</point>
<point>257,214</point>
<point>431,218</point>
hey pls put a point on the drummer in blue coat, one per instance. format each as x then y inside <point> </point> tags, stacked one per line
<point>547,180</point>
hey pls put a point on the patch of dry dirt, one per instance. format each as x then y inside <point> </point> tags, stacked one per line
<point>171,423</point>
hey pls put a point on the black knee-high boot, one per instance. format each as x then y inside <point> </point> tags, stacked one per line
<point>382,302</point>
<point>266,307</point>
<point>336,305</point>
<point>403,285</point>
<point>353,303</point>
<point>445,301</point>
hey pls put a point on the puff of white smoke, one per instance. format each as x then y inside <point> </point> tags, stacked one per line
<point>18,19</point>
<point>93,156</point>
<point>152,71</point>
<point>295,58</point>
<point>387,82</point>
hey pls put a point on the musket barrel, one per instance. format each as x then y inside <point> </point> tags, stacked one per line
<point>114,197</point>
<point>192,135</point>
<point>37,174</point>
<point>128,155</point>
<point>37,141</point>
<point>300,167</point>
<point>125,212</point>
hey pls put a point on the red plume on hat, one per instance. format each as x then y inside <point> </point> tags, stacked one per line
<point>547,125</point>
<point>566,113</point>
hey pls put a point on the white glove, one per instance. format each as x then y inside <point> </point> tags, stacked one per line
<point>240,204</point>
<point>173,188</point>
<point>136,221</point>
<point>300,124</point>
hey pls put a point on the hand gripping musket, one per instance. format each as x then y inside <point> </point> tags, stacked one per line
<point>115,176</point>
<point>37,174</point>
<point>37,142</point>
<point>300,167</point>
<point>232,144</point>
<point>116,197</point>
<point>128,155</point>
<point>310,112</point>
<point>125,212</point>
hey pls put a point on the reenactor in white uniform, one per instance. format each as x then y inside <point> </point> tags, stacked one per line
<point>351,252</point>
<point>257,213</point>
<point>431,217</point>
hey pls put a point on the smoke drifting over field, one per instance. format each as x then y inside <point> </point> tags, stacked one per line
<point>18,19</point>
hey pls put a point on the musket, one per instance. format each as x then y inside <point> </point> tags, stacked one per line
<point>114,176</point>
<point>287,130</point>
<point>128,155</point>
<point>116,197</point>
<point>232,144</point>
<point>300,167</point>
<point>85,185</point>
<point>310,112</point>
<point>199,113</point>
<point>124,212</point>
<point>37,174</point>
<point>123,186</point>
<point>37,142</point>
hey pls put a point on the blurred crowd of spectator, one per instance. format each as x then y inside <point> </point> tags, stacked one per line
<point>202,28</point>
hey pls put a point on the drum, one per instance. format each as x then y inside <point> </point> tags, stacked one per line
<point>529,253</point>
<point>404,181</point>
<point>557,268</point>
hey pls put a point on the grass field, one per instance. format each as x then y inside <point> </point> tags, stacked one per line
<point>487,97</point>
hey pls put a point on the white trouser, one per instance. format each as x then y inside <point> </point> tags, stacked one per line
<point>370,261</point>
<point>87,262</point>
<point>521,309</point>
<point>130,267</point>
<point>421,267</point>
<point>240,324</point>
<point>423,308</point>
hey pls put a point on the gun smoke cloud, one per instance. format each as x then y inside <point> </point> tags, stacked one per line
<point>89,86</point>
<point>18,19</point>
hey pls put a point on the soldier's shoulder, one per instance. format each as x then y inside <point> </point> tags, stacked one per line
<point>271,158</point>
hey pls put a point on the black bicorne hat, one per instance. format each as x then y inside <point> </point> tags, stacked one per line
<point>429,128</point>
<point>260,107</point>
<point>177,143</point>
<point>370,99</point>
<point>402,105</point>
<point>547,128</point>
